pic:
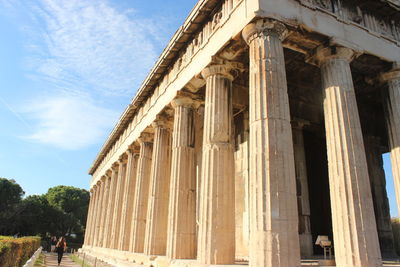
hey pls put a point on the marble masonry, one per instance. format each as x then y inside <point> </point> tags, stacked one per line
<point>261,126</point>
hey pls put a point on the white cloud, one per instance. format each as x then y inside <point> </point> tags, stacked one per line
<point>68,122</point>
<point>83,52</point>
<point>90,45</point>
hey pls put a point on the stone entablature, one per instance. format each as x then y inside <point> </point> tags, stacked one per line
<point>350,12</point>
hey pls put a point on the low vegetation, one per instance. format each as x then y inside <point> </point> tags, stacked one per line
<point>79,261</point>
<point>14,252</point>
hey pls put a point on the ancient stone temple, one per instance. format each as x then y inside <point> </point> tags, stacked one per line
<point>260,128</point>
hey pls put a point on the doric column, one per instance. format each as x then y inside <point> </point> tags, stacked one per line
<point>128,198</point>
<point>392,110</point>
<point>141,194</point>
<point>157,213</point>
<point>354,227</point>
<point>103,226</point>
<point>373,151</point>
<point>118,203</point>
<point>182,204</point>
<point>303,202</point>
<point>110,207</point>
<point>216,239</point>
<point>89,218</point>
<point>91,226</point>
<point>97,216</point>
<point>274,237</point>
<point>103,210</point>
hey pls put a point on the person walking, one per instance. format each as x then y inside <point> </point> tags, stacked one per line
<point>61,247</point>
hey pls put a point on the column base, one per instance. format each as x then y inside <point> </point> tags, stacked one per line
<point>105,257</point>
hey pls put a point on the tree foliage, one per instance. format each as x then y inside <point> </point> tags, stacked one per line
<point>10,194</point>
<point>61,211</point>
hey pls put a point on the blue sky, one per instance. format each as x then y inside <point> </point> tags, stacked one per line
<point>68,68</point>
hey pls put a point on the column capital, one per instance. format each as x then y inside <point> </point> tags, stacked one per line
<point>228,69</point>
<point>122,159</point>
<point>114,167</point>
<point>325,53</point>
<point>163,122</point>
<point>145,138</point>
<point>184,99</point>
<point>393,74</point>
<point>133,149</point>
<point>103,178</point>
<point>264,27</point>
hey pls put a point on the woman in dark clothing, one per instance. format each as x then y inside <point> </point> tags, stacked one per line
<point>60,247</point>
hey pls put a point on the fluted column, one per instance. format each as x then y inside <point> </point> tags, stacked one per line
<point>392,110</point>
<point>118,203</point>
<point>306,242</point>
<point>354,227</point>
<point>103,219</point>
<point>216,239</point>
<point>110,207</point>
<point>141,194</point>
<point>102,211</point>
<point>98,213</point>
<point>93,215</point>
<point>182,204</point>
<point>373,151</point>
<point>128,198</point>
<point>274,237</point>
<point>89,218</point>
<point>157,213</point>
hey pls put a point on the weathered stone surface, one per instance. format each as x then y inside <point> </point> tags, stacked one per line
<point>355,235</point>
<point>106,187</point>
<point>157,213</point>
<point>128,199</point>
<point>110,208</point>
<point>182,203</point>
<point>138,227</point>
<point>216,239</point>
<point>116,223</point>
<point>274,239</point>
<point>89,217</point>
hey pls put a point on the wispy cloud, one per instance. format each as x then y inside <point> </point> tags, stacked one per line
<point>82,52</point>
<point>68,122</point>
<point>89,44</point>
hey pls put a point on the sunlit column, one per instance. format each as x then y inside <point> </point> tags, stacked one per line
<point>216,239</point>
<point>157,213</point>
<point>110,207</point>
<point>353,220</point>
<point>128,198</point>
<point>182,204</point>
<point>274,237</point>
<point>118,202</point>
<point>141,197</point>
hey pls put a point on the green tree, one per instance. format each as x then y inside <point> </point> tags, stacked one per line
<point>37,216</point>
<point>74,203</point>
<point>11,194</point>
<point>10,197</point>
